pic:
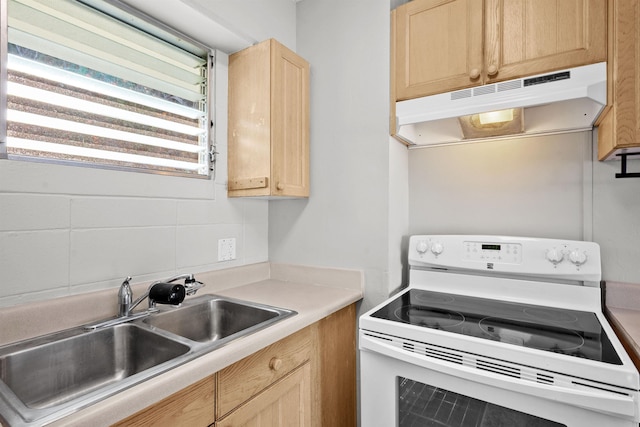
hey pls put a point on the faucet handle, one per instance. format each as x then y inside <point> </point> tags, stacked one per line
<point>191,285</point>
<point>125,298</point>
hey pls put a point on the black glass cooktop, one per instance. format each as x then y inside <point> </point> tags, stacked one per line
<point>570,332</point>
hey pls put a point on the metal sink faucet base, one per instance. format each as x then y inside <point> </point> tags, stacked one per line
<point>125,295</point>
<point>161,291</point>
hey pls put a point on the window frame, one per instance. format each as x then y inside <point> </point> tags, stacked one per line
<point>4,53</point>
<point>144,22</point>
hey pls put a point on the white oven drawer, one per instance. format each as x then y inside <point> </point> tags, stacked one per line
<point>382,363</point>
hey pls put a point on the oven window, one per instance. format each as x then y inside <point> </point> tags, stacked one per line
<point>426,406</point>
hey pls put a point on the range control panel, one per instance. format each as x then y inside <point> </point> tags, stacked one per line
<point>495,252</point>
<point>536,257</point>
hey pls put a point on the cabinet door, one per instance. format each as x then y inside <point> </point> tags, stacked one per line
<point>250,376</point>
<point>249,126</point>
<point>336,353</point>
<point>525,37</point>
<point>438,46</point>
<point>191,407</point>
<point>620,127</point>
<point>289,123</point>
<point>287,403</point>
<point>627,83</point>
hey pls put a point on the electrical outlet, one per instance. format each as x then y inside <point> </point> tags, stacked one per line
<point>226,249</point>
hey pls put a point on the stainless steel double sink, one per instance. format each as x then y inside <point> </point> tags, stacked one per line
<point>48,377</point>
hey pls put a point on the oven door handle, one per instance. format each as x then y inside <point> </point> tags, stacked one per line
<point>600,401</point>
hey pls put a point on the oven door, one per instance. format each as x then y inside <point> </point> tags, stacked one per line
<point>401,388</point>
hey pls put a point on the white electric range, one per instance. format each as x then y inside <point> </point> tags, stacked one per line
<point>496,331</point>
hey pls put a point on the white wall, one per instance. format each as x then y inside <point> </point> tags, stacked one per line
<point>228,26</point>
<point>526,187</point>
<point>345,221</point>
<point>66,230</point>
<point>398,214</point>
<point>253,20</point>
<point>616,221</point>
<point>543,186</point>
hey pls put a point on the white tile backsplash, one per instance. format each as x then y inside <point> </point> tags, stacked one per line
<point>99,254</point>
<point>51,246</point>
<point>106,212</point>
<point>33,261</point>
<point>219,211</point>
<point>33,212</point>
<point>198,245</point>
<point>255,210</point>
<point>256,236</point>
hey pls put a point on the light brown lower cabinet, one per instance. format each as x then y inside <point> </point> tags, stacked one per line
<point>305,379</point>
<point>285,403</point>
<point>190,407</point>
<point>335,369</point>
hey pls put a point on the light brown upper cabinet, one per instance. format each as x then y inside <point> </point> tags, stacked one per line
<point>268,129</point>
<point>619,130</point>
<point>446,45</point>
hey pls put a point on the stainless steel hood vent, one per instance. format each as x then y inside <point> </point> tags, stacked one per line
<point>563,101</point>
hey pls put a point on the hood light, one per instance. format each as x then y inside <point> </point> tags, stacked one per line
<point>496,116</point>
<point>495,123</point>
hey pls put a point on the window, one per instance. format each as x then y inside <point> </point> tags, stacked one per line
<point>92,83</point>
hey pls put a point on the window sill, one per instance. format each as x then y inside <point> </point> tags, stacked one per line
<point>34,177</point>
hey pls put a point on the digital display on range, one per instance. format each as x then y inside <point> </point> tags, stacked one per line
<point>488,247</point>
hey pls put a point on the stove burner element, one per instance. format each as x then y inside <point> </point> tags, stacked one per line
<point>433,318</point>
<point>538,336</point>
<point>553,315</point>
<point>433,297</point>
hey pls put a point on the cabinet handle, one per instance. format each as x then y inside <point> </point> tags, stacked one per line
<point>474,73</point>
<point>275,363</point>
<point>248,183</point>
<point>279,187</point>
<point>492,70</point>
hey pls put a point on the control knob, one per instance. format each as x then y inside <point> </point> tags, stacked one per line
<point>554,256</point>
<point>437,248</point>
<point>578,257</point>
<point>422,247</point>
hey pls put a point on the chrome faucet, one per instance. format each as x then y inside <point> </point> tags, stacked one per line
<point>157,292</point>
<point>161,291</point>
<point>125,296</point>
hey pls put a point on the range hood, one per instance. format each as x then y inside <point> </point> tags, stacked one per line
<point>562,101</point>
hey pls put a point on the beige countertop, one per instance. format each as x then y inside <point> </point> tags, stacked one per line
<point>623,311</point>
<point>313,292</point>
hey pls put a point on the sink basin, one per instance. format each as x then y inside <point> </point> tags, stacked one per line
<point>45,378</point>
<point>58,370</point>
<point>210,318</point>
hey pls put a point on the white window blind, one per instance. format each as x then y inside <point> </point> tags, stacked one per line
<point>87,87</point>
